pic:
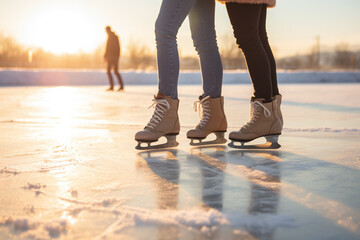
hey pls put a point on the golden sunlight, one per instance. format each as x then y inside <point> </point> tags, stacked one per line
<point>61,103</point>
<point>61,28</point>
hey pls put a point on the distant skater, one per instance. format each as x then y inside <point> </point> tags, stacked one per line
<point>248,19</point>
<point>112,55</point>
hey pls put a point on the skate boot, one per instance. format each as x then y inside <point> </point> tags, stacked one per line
<point>212,120</point>
<point>164,122</point>
<point>263,123</point>
<point>278,109</point>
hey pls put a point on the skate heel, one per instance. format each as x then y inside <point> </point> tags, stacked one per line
<point>233,145</point>
<point>272,141</point>
<point>170,142</point>
<point>140,147</point>
<point>220,139</point>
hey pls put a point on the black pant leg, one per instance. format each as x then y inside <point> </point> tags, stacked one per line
<point>109,65</point>
<point>117,74</point>
<point>266,45</point>
<point>245,19</point>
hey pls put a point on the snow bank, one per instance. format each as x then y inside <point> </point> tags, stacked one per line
<point>195,220</point>
<point>35,229</point>
<point>67,77</point>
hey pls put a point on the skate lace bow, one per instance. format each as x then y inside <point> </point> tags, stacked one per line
<point>256,106</point>
<point>161,106</point>
<point>203,105</point>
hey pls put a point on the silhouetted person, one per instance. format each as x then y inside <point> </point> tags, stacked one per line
<point>112,55</point>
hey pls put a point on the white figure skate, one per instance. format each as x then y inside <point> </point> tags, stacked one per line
<point>212,120</point>
<point>264,122</point>
<point>164,122</point>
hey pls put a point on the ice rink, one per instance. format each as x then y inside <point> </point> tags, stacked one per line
<point>69,168</point>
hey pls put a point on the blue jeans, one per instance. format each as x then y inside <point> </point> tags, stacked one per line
<point>201,17</point>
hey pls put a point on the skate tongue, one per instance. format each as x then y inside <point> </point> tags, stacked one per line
<point>253,99</point>
<point>160,95</point>
<point>201,97</point>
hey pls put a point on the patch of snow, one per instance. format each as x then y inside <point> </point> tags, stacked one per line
<point>9,170</point>
<point>30,186</point>
<point>203,221</point>
<point>33,229</point>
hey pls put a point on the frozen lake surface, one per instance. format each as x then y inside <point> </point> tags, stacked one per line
<point>69,169</point>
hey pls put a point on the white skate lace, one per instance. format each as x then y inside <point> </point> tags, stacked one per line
<point>204,115</point>
<point>256,105</point>
<point>161,107</point>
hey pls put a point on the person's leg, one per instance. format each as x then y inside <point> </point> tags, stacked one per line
<point>245,20</point>
<point>202,27</point>
<point>171,16</point>
<point>213,118</point>
<point>116,67</point>
<point>265,42</point>
<point>109,65</point>
<point>264,39</point>
<point>165,120</point>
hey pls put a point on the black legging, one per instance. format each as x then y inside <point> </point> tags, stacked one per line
<point>249,24</point>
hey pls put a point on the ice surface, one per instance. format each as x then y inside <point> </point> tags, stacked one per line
<point>69,168</point>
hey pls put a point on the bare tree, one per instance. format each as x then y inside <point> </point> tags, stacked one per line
<point>231,56</point>
<point>139,56</point>
<point>314,56</point>
<point>12,53</point>
<point>343,57</point>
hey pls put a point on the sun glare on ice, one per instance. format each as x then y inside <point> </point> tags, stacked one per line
<point>60,104</point>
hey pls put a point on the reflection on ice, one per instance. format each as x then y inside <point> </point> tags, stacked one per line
<point>164,171</point>
<point>164,165</point>
<point>266,180</point>
<point>212,175</point>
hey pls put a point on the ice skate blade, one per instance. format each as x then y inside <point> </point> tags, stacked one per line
<point>271,143</point>
<point>220,139</point>
<point>171,142</point>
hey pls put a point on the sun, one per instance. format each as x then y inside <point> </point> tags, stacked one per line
<point>64,29</point>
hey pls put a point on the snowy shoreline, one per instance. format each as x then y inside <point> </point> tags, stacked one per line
<point>69,77</point>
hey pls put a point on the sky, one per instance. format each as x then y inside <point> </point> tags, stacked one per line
<point>72,25</point>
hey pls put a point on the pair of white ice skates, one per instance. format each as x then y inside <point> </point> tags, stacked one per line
<point>265,121</point>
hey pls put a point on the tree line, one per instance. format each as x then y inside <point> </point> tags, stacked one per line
<point>139,56</point>
<point>340,58</point>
